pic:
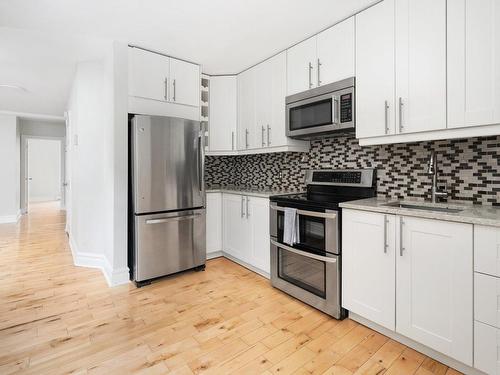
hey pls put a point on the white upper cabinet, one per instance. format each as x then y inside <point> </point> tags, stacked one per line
<point>301,66</point>
<point>375,98</point>
<point>420,45</point>
<point>276,132</point>
<point>368,264</point>
<point>162,78</point>
<point>434,285</point>
<point>184,83</point>
<point>148,74</point>
<point>473,62</point>
<point>223,113</point>
<point>246,109</point>
<point>263,103</point>
<point>322,59</point>
<point>335,60</point>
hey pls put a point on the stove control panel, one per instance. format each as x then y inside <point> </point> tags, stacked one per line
<point>342,177</point>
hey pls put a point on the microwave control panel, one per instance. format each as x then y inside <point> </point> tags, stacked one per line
<point>346,107</point>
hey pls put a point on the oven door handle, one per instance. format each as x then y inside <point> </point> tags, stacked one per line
<point>308,213</point>
<point>304,253</point>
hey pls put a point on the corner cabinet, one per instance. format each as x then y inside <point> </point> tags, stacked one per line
<point>413,276</point>
<point>246,231</point>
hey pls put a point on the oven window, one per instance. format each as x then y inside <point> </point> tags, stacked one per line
<point>306,273</point>
<point>312,232</point>
<point>310,115</point>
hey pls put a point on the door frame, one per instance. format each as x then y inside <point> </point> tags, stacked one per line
<point>25,168</point>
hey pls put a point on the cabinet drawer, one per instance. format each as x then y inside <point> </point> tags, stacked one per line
<point>487,250</point>
<point>487,348</point>
<point>487,299</point>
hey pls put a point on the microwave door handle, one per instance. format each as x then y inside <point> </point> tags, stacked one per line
<point>335,109</point>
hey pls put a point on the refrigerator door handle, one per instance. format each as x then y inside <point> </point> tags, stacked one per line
<point>200,163</point>
<point>175,218</point>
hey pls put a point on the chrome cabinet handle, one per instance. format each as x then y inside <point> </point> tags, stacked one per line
<point>173,85</point>
<point>310,75</point>
<point>242,213</point>
<point>165,90</point>
<point>246,138</point>
<point>175,218</point>
<point>268,135</point>
<point>232,140</point>
<point>319,74</point>
<point>385,234</point>
<point>386,117</point>
<point>304,253</point>
<point>248,212</point>
<point>401,248</point>
<point>401,114</point>
<point>262,136</point>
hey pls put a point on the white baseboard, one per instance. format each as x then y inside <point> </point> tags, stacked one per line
<point>246,265</point>
<point>453,363</point>
<point>6,219</point>
<point>113,277</point>
<point>215,254</point>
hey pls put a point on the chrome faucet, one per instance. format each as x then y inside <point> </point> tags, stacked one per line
<point>432,170</point>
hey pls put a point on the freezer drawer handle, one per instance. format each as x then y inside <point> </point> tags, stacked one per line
<point>175,218</point>
<point>304,253</point>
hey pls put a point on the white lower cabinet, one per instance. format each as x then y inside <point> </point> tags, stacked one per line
<point>411,275</point>
<point>214,223</point>
<point>368,262</point>
<point>434,293</point>
<point>246,230</point>
<point>487,348</point>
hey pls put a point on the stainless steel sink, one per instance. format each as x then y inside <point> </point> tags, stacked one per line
<point>416,206</point>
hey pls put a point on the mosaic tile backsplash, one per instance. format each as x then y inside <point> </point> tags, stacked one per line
<point>468,168</point>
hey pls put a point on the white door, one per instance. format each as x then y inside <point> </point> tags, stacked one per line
<point>473,62</point>
<point>258,213</point>
<point>184,84</point>
<point>420,39</point>
<point>214,223</point>
<point>223,113</point>
<point>276,133</point>
<point>434,285</point>
<point>375,103</point>
<point>246,109</point>
<point>148,74</point>
<point>236,228</point>
<point>301,66</point>
<point>263,102</point>
<point>368,264</point>
<point>335,53</point>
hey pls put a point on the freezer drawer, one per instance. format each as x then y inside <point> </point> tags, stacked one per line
<point>168,243</point>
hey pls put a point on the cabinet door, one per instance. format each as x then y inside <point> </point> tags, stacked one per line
<point>368,264</point>
<point>375,104</point>
<point>420,64</point>
<point>434,279</point>
<point>487,348</point>
<point>258,213</point>
<point>301,66</point>
<point>236,230</point>
<point>473,62</point>
<point>184,83</point>
<point>263,103</point>
<point>246,109</point>
<point>276,134</point>
<point>214,222</point>
<point>148,74</point>
<point>335,53</point>
<point>223,113</point>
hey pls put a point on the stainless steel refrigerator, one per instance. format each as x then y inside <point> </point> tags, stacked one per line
<point>167,196</point>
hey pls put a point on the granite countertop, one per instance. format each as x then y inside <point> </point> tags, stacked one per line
<point>250,191</point>
<point>472,214</point>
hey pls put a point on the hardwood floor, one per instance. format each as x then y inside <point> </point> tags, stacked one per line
<point>57,318</point>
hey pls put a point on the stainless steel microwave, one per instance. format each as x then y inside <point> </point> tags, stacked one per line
<point>322,111</point>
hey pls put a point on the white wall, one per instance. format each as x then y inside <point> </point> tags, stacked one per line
<point>44,166</point>
<point>41,128</point>
<point>98,158</point>
<point>9,168</point>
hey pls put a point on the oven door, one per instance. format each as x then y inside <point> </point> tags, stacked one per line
<point>311,278</point>
<point>318,230</point>
<point>330,112</point>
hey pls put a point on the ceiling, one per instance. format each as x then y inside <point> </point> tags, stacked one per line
<point>225,36</point>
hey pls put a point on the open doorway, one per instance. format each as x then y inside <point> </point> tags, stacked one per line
<point>42,170</point>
